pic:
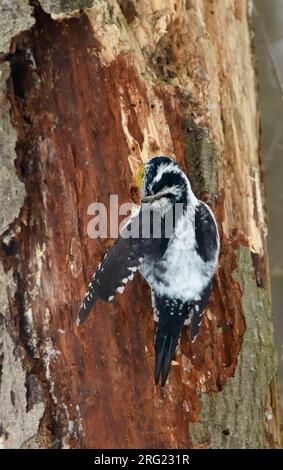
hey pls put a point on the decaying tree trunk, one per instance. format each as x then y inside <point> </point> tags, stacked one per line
<point>89,89</point>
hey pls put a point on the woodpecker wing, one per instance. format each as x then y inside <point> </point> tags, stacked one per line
<point>207,246</point>
<point>120,263</point>
<point>207,238</point>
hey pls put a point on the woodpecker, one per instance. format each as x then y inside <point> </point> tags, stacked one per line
<point>172,240</point>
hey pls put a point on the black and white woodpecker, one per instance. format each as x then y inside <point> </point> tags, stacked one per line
<point>178,262</point>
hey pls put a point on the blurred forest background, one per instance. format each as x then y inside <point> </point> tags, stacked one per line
<point>268,26</point>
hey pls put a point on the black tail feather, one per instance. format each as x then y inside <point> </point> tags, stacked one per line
<point>160,348</point>
<point>165,347</point>
<point>86,307</point>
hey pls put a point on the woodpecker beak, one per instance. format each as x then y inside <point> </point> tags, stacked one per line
<point>148,199</point>
<point>155,197</point>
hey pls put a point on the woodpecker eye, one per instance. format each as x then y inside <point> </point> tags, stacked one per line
<point>140,176</point>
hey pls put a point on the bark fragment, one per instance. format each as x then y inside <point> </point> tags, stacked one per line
<point>19,423</point>
<point>12,191</point>
<point>15,17</point>
<point>62,8</point>
<point>235,417</point>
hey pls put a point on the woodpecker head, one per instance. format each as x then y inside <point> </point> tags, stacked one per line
<point>162,178</point>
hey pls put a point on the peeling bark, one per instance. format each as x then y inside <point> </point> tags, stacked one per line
<point>95,88</point>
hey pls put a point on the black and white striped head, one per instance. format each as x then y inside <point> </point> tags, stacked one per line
<point>162,177</point>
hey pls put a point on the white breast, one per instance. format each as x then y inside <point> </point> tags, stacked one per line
<point>181,273</point>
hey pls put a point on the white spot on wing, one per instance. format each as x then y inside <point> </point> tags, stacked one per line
<point>120,289</point>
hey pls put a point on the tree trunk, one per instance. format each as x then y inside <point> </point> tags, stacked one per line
<point>89,90</point>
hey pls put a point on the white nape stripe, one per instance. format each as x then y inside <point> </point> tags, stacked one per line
<point>166,168</point>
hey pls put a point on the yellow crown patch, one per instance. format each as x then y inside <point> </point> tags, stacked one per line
<point>139,177</point>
